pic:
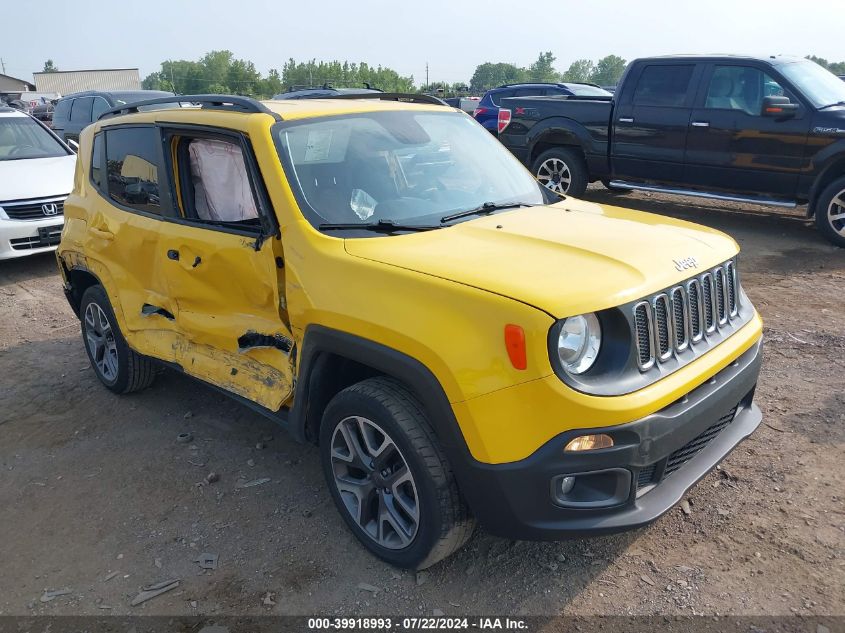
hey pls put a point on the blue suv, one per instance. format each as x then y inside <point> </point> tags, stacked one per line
<point>487,112</point>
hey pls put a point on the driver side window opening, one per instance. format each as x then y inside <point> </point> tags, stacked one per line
<point>214,181</point>
<point>741,88</point>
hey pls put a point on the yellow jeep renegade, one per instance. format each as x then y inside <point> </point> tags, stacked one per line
<point>384,279</point>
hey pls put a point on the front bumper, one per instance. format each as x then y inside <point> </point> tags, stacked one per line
<point>19,238</point>
<point>653,462</point>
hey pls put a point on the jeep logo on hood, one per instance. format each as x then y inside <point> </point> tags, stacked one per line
<point>685,264</point>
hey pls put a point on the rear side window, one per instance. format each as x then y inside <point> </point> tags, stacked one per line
<point>100,106</point>
<point>132,167</point>
<point>62,111</point>
<point>81,110</point>
<point>97,161</point>
<point>496,97</point>
<point>663,85</point>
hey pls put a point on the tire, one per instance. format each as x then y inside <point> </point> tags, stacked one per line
<point>829,207</point>
<point>397,433</point>
<point>611,188</point>
<point>561,169</point>
<point>118,367</point>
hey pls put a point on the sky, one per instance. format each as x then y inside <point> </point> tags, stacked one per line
<point>453,37</point>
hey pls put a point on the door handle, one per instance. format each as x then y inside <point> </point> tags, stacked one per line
<point>102,234</point>
<point>700,124</point>
<point>173,254</point>
<point>626,119</point>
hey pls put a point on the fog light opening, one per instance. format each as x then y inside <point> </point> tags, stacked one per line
<point>565,485</point>
<point>589,443</point>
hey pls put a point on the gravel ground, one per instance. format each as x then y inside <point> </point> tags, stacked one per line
<point>100,499</point>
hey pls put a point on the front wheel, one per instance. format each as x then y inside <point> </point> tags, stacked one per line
<point>830,212</point>
<point>561,169</point>
<point>389,477</point>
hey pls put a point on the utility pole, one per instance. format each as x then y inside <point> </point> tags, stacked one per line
<point>3,64</point>
<point>427,87</point>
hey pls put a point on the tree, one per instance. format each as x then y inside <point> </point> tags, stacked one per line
<point>608,70</point>
<point>581,70</point>
<point>542,70</point>
<point>50,67</point>
<point>837,68</point>
<point>489,75</point>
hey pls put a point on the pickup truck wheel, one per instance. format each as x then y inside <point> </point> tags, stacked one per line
<point>830,212</point>
<point>562,170</point>
<point>118,367</point>
<point>389,477</point>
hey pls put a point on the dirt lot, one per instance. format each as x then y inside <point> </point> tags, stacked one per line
<point>98,497</point>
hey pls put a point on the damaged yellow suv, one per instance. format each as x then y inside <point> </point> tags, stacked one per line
<point>384,279</point>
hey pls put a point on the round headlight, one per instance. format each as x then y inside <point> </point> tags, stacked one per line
<point>578,343</point>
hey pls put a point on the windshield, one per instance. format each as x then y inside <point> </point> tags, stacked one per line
<point>400,166</point>
<point>21,137</point>
<point>820,86</point>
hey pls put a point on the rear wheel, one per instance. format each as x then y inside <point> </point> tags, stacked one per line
<point>562,170</point>
<point>116,365</point>
<point>830,212</point>
<point>388,476</point>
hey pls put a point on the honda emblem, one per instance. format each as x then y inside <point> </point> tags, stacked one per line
<point>51,208</point>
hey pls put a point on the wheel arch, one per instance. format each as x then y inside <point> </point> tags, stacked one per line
<point>78,281</point>
<point>332,360</point>
<point>833,170</point>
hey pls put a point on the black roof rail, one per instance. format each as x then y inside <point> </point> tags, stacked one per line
<point>208,102</point>
<point>391,96</point>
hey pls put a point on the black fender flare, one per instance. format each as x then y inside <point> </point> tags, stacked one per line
<point>828,165</point>
<point>564,129</point>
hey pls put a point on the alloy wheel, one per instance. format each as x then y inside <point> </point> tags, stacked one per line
<point>99,337</point>
<point>555,175</point>
<point>375,483</point>
<point>836,213</point>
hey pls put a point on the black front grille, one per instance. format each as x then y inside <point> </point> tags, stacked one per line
<point>679,318</point>
<point>656,472</point>
<point>696,445</point>
<point>643,334</point>
<point>707,300</point>
<point>661,320</point>
<point>694,309</point>
<point>33,209</point>
<point>719,277</point>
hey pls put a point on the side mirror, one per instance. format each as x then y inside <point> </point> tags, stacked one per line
<point>73,145</point>
<point>778,107</point>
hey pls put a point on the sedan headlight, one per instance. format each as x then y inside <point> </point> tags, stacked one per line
<point>578,343</point>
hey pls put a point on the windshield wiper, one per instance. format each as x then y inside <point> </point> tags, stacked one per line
<point>830,105</point>
<point>487,207</point>
<point>380,226</point>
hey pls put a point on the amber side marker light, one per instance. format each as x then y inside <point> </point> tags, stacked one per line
<point>589,443</point>
<point>515,344</point>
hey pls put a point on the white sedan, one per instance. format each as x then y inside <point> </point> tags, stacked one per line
<point>36,175</point>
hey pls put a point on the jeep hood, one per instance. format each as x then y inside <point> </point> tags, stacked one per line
<point>568,258</point>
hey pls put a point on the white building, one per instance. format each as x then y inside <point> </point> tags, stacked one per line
<point>68,81</point>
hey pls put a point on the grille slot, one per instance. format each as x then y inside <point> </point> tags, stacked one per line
<point>694,296</point>
<point>669,322</point>
<point>679,319</point>
<point>730,272</point>
<point>719,294</point>
<point>646,476</point>
<point>662,327</point>
<point>31,209</point>
<point>707,302</point>
<point>645,349</point>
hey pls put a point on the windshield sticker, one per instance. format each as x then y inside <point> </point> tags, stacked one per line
<point>318,146</point>
<point>362,203</point>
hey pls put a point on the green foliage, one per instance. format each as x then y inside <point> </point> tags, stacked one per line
<point>542,70</point>
<point>608,70</point>
<point>837,68</point>
<point>219,72</point>
<point>490,75</point>
<point>50,67</point>
<point>343,75</point>
<point>581,70</point>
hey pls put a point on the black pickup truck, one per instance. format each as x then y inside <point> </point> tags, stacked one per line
<point>762,130</point>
